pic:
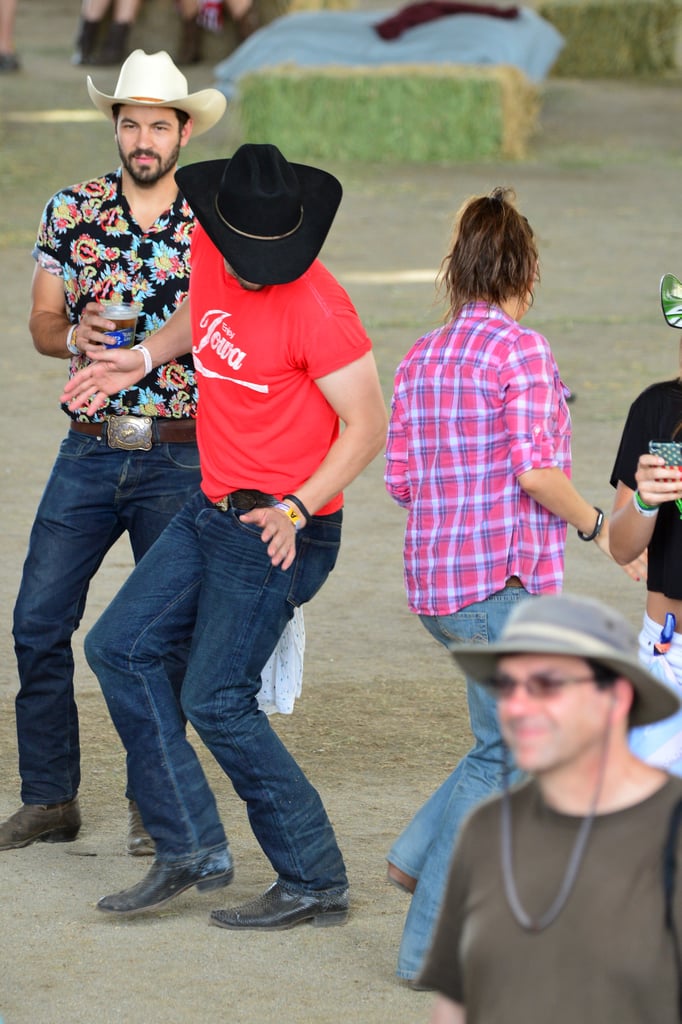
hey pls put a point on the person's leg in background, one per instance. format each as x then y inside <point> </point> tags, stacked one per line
<point>8,57</point>
<point>424,849</point>
<point>115,46</point>
<point>199,15</point>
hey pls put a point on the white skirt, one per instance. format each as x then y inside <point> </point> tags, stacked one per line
<point>661,743</point>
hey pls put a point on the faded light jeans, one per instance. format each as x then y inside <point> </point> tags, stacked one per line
<point>424,849</point>
<point>209,578</point>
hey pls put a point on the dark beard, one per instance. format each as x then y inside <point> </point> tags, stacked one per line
<point>149,175</point>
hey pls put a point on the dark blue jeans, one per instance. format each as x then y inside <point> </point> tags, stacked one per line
<point>209,577</point>
<point>93,496</point>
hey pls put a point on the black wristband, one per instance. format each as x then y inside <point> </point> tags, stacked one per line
<point>597,526</point>
<point>299,505</point>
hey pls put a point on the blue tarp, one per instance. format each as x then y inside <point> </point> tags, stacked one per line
<point>318,38</point>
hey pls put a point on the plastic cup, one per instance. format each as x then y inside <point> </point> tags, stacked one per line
<point>125,315</point>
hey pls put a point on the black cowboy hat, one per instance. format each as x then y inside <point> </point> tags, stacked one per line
<point>268,217</point>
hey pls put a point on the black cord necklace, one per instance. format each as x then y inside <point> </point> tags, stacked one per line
<point>522,917</point>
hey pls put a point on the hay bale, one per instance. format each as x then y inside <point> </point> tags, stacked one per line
<point>390,113</point>
<point>614,38</point>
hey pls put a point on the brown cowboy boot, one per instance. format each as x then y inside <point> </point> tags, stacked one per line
<point>139,842</point>
<point>189,45</point>
<point>247,24</point>
<point>49,823</point>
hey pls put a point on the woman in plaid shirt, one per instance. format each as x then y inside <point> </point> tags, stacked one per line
<point>479,454</point>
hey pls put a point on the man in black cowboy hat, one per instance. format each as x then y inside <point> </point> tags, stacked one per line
<point>282,360</point>
<point>560,906</point>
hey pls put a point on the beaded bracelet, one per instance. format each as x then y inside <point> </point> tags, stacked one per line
<point>649,511</point>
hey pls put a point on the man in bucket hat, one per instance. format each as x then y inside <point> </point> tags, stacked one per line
<point>559,906</point>
<point>282,360</point>
<point>124,235</point>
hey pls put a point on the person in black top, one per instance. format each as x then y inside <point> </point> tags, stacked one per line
<point>646,519</point>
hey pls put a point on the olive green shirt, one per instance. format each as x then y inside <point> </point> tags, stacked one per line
<point>607,958</point>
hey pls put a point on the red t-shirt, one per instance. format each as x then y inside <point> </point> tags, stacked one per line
<point>262,422</point>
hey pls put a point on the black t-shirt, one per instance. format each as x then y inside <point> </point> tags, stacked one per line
<point>656,415</point>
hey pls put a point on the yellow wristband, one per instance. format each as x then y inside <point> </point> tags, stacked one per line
<point>292,514</point>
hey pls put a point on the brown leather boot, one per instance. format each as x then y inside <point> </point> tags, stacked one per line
<point>86,41</point>
<point>189,45</point>
<point>247,24</point>
<point>139,843</point>
<point>49,823</point>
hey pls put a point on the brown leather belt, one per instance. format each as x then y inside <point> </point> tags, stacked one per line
<point>513,581</point>
<point>138,433</point>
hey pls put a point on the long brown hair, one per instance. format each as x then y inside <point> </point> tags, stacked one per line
<point>492,256</point>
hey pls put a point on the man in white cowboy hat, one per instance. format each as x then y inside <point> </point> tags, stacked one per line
<point>562,903</point>
<point>282,361</point>
<point>124,236</point>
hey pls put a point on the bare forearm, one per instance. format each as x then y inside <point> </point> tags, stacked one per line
<point>630,533</point>
<point>172,340</point>
<point>352,452</point>
<point>552,489</point>
<point>49,332</point>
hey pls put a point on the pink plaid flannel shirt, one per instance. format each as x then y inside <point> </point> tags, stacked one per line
<point>476,403</point>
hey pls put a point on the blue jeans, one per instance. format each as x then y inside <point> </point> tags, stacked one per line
<point>424,849</point>
<point>209,577</point>
<point>93,495</point>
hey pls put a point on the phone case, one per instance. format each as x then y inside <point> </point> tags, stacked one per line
<point>671,451</point>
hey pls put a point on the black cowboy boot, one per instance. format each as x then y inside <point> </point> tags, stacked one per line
<point>115,48</point>
<point>85,41</point>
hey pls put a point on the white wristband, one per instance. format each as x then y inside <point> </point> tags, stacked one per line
<point>147,356</point>
<point>649,513</point>
<point>71,345</point>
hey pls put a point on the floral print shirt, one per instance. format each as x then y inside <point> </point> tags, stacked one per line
<point>89,237</point>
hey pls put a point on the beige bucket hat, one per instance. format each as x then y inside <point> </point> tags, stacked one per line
<point>153,80</point>
<point>584,628</point>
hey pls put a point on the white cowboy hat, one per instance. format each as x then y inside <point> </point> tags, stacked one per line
<point>152,80</point>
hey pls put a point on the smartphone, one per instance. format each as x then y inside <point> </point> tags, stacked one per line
<point>671,451</point>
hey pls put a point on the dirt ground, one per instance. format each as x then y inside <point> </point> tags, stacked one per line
<point>382,719</point>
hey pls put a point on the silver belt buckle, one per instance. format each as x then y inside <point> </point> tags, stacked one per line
<point>131,433</point>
